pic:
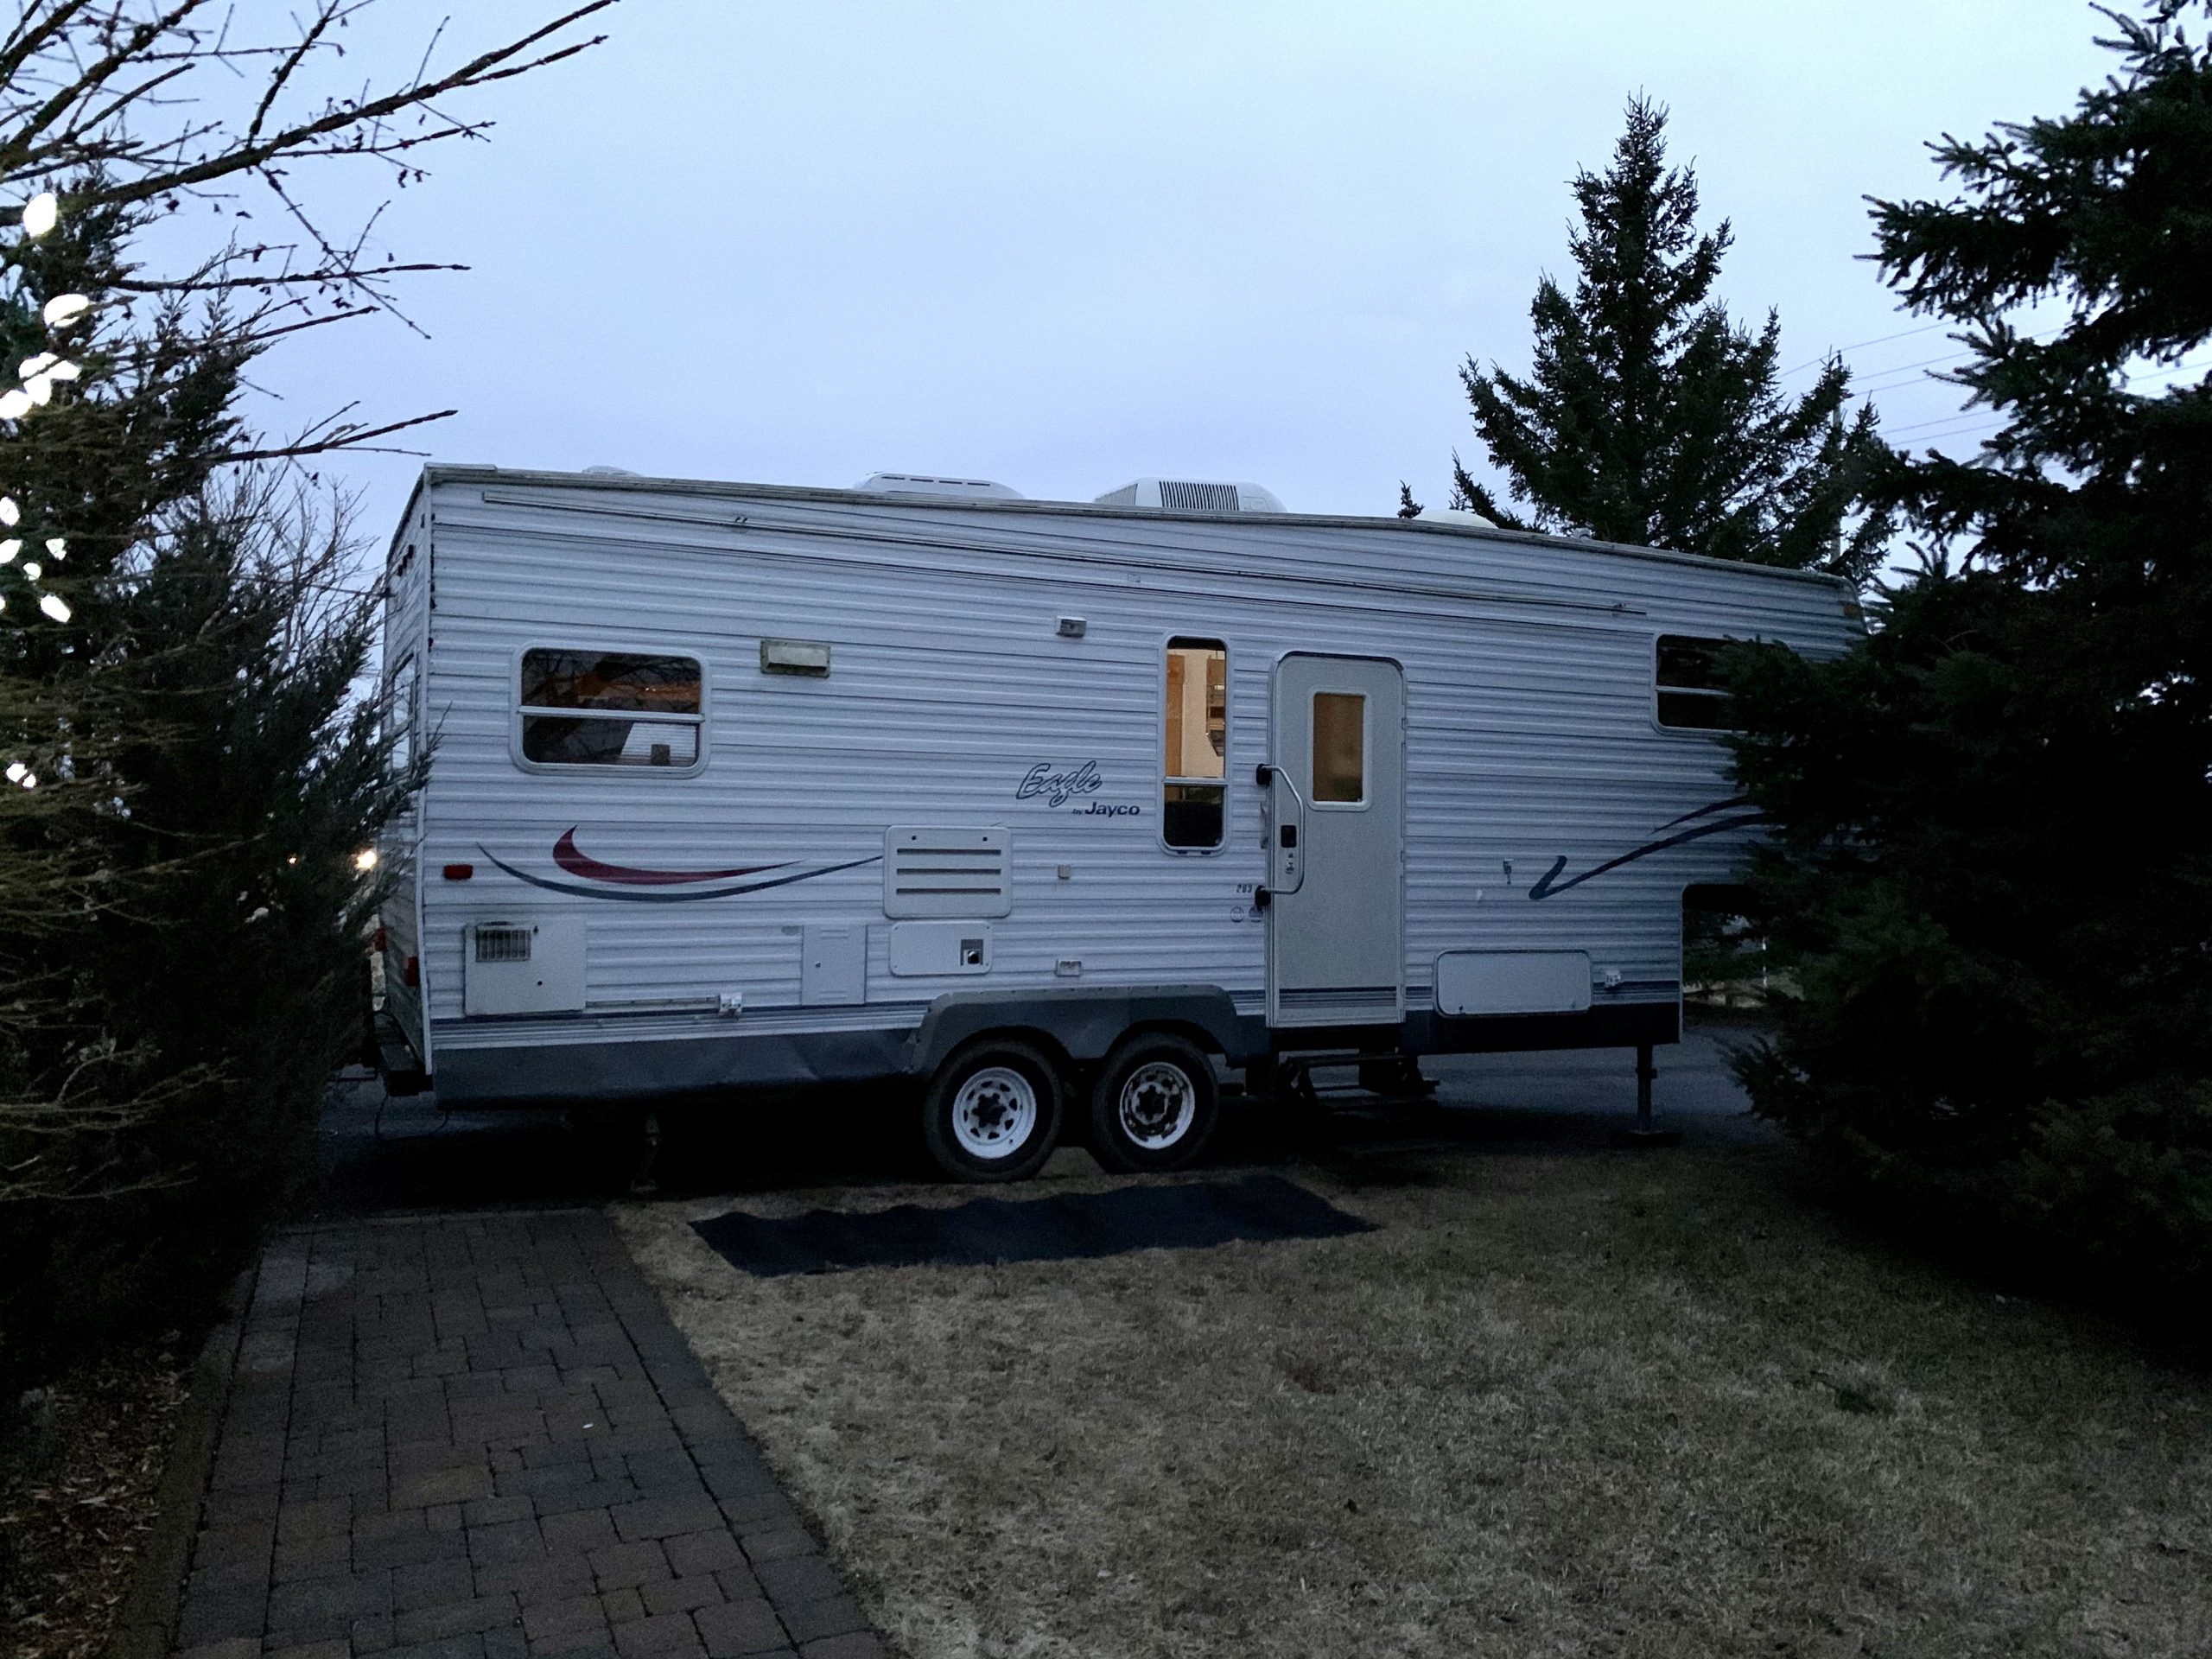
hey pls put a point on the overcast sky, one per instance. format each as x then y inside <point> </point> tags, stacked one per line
<point>1064,245</point>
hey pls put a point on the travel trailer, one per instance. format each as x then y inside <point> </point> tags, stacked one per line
<point>1057,810</point>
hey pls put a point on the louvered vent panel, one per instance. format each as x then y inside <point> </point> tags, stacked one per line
<point>1181,497</point>
<point>502,943</point>
<point>1348,1006</point>
<point>936,871</point>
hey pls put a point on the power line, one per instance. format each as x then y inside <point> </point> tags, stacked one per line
<point>1879,340</point>
<point>1983,421</point>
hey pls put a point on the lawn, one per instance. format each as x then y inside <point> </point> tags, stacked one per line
<point>1612,1403</point>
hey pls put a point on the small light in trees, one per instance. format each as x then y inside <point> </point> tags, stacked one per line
<point>11,514</point>
<point>32,571</point>
<point>65,308</point>
<point>365,859</point>
<point>55,605</point>
<point>16,771</point>
<point>8,548</point>
<point>41,214</point>
<point>39,364</point>
<point>14,404</point>
<point>58,546</point>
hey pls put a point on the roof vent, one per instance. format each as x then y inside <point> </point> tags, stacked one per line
<point>1190,495</point>
<point>1457,515</point>
<point>972,489</point>
<point>608,472</point>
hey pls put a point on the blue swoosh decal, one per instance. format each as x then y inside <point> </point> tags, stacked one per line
<point>1549,883</point>
<point>662,898</point>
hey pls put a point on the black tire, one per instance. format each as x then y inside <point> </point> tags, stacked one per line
<point>1154,1105</point>
<point>963,1126</point>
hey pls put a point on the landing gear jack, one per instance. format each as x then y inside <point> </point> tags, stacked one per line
<point>1645,1133</point>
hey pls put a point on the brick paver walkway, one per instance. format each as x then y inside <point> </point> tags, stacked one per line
<point>482,1437</point>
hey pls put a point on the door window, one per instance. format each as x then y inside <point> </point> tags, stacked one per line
<point>1339,748</point>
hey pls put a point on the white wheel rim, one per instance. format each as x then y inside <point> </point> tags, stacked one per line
<point>1158,1105</point>
<point>994,1113</point>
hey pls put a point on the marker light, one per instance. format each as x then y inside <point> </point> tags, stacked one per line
<point>365,859</point>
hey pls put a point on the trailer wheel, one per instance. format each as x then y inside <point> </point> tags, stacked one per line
<point>1154,1105</point>
<point>992,1113</point>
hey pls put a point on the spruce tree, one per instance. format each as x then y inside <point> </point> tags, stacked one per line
<point>1992,865</point>
<point>189,775</point>
<point>1649,417</point>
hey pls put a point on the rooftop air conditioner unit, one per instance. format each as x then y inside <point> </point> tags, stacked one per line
<point>1190,495</point>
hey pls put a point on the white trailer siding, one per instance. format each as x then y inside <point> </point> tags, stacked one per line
<point>402,669</point>
<point>1530,736</point>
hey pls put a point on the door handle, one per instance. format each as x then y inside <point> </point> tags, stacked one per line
<point>1286,861</point>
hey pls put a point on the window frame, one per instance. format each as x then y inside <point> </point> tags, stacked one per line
<point>410,667</point>
<point>518,710</point>
<point>1366,801</point>
<point>1717,695</point>
<point>1210,642</point>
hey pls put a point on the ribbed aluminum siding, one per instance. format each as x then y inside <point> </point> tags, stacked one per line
<point>1528,671</point>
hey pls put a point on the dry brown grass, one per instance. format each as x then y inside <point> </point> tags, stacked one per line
<point>1588,1405</point>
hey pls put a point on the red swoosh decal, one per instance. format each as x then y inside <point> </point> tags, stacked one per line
<point>575,863</point>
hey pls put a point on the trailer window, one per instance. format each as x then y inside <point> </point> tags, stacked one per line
<point>1339,748</point>
<point>1196,751</point>
<point>399,714</point>
<point>1690,692</point>
<point>610,709</point>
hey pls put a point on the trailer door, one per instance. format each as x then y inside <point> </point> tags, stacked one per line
<point>1336,841</point>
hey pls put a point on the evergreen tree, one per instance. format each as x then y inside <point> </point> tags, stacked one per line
<point>1649,417</point>
<point>1993,868</point>
<point>188,779</point>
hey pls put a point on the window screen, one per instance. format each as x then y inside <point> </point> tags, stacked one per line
<point>1196,760</point>
<point>1339,747</point>
<point>1690,693</point>
<point>609,708</point>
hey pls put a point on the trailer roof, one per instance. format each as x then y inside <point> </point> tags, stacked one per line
<point>444,473</point>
